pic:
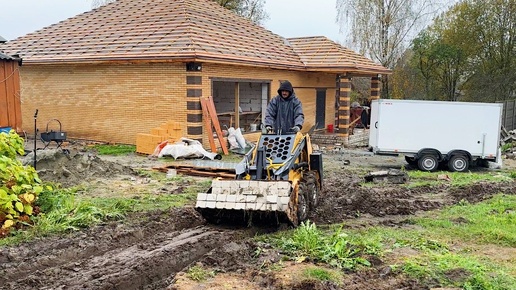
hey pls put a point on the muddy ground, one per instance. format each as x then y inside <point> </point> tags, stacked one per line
<point>153,250</point>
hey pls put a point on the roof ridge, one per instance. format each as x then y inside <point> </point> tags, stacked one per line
<point>175,30</point>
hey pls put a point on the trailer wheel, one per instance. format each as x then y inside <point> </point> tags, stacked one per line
<point>428,162</point>
<point>459,163</point>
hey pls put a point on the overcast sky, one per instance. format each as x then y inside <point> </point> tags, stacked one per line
<point>288,18</point>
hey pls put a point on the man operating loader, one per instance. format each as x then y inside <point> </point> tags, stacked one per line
<point>284,113</point>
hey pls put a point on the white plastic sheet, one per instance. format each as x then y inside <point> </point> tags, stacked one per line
<point>186,148</point>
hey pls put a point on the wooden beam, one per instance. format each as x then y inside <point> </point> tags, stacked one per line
<point>237,105</point>
<point>207,124</point>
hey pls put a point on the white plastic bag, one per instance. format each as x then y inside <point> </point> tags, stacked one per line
<point>233,144</point>
<point>186,148</point>
<point>240,138</point>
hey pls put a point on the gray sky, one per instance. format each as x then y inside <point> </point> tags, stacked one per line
<point>288,18</point>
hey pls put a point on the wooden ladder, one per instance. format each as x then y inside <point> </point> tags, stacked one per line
<point>209,114</point>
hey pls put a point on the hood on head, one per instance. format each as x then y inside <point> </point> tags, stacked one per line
<point>286,86</point>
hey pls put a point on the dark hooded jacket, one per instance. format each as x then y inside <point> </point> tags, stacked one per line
<point>284,113</point>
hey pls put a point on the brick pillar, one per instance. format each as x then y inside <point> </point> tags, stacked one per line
<point>375,88</point>
<point>342,105</point>
<point>193,106</point>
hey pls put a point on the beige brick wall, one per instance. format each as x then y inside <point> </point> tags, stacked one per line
<point>114,102</point>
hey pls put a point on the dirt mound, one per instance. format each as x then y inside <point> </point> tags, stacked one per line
<point>73,168</point>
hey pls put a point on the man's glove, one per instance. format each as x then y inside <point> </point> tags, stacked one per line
<point>268,129</point>
<point>296,129</point>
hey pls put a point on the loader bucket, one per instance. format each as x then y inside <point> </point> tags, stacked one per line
<point>276,183</point>
<point>246,202</point>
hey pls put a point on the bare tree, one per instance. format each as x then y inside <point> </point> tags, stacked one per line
<point>382,29</point>
<point>98,3</point>
<point>250,9</point>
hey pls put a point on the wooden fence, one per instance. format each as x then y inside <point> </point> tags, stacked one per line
<point>509,115</point>
<point>10,104</point>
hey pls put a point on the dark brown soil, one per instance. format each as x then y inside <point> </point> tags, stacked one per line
<point>153,250</point>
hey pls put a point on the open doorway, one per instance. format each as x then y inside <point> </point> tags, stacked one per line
<point>240,103</point>
<point>320,108</point>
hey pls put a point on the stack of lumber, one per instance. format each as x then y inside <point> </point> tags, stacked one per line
<point>206,171</point>
<point>169,131</point>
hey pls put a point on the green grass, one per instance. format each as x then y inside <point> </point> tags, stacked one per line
<point>337,248</point>
<point>321,274</point>
<point>464,271</point>
<point>489,222</point>
<point>439,247</point>
<point>66,210</point>
<point>421,178</point>
<point>119,149</point>
<point>199,274</point>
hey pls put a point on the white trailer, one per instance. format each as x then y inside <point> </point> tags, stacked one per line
<point>433,133</point>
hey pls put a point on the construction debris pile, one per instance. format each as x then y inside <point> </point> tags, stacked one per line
<point>74,168</point>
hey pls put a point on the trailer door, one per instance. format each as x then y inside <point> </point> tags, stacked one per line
<point>373,127</point>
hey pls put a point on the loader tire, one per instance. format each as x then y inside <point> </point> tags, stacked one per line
<point>312,185</point>
<point>303,207</point>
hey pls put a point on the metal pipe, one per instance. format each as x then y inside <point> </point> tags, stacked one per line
<point>35,138</point>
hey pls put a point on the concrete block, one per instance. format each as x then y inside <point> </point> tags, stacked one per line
<point>250,198</point>
<point>201,196</point>
<point>248,191</point>
<point>229,205</point>
<point>231,198</point>
<point>282,185</point>
<point>200,203</point>
<point>210,204</point>
<point>273,198</point>
<point>234,185</point>
<point>216,184</point>
<point>220,204</point>
<point>221,197</point>
<point>260,206</point>
<point>240,198</point>
<point>211,196</point>
<point>284,200</point>
<point>240,205</point>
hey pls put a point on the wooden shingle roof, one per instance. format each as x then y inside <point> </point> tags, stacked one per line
<point>179,30</point>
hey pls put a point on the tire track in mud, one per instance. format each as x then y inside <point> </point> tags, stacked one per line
<point>143,256</point>
<point>343,197</point>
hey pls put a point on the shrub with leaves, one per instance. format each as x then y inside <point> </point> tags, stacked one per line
<point>19,185</point>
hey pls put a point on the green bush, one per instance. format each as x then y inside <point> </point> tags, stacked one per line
<point>19,185</point>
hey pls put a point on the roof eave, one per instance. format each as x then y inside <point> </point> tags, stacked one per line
<point>213,58</point>
<point>182,58</point>
<point>351,69</point>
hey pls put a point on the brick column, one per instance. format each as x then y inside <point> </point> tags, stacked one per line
<point>193,107</point>
<point>375,88</point>
<point>342,105</point>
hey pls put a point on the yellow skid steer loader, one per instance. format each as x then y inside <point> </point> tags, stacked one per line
<point>278,181</point>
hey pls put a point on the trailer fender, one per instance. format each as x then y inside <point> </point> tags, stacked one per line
<point>429,151</point>
<point>428,159</point>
